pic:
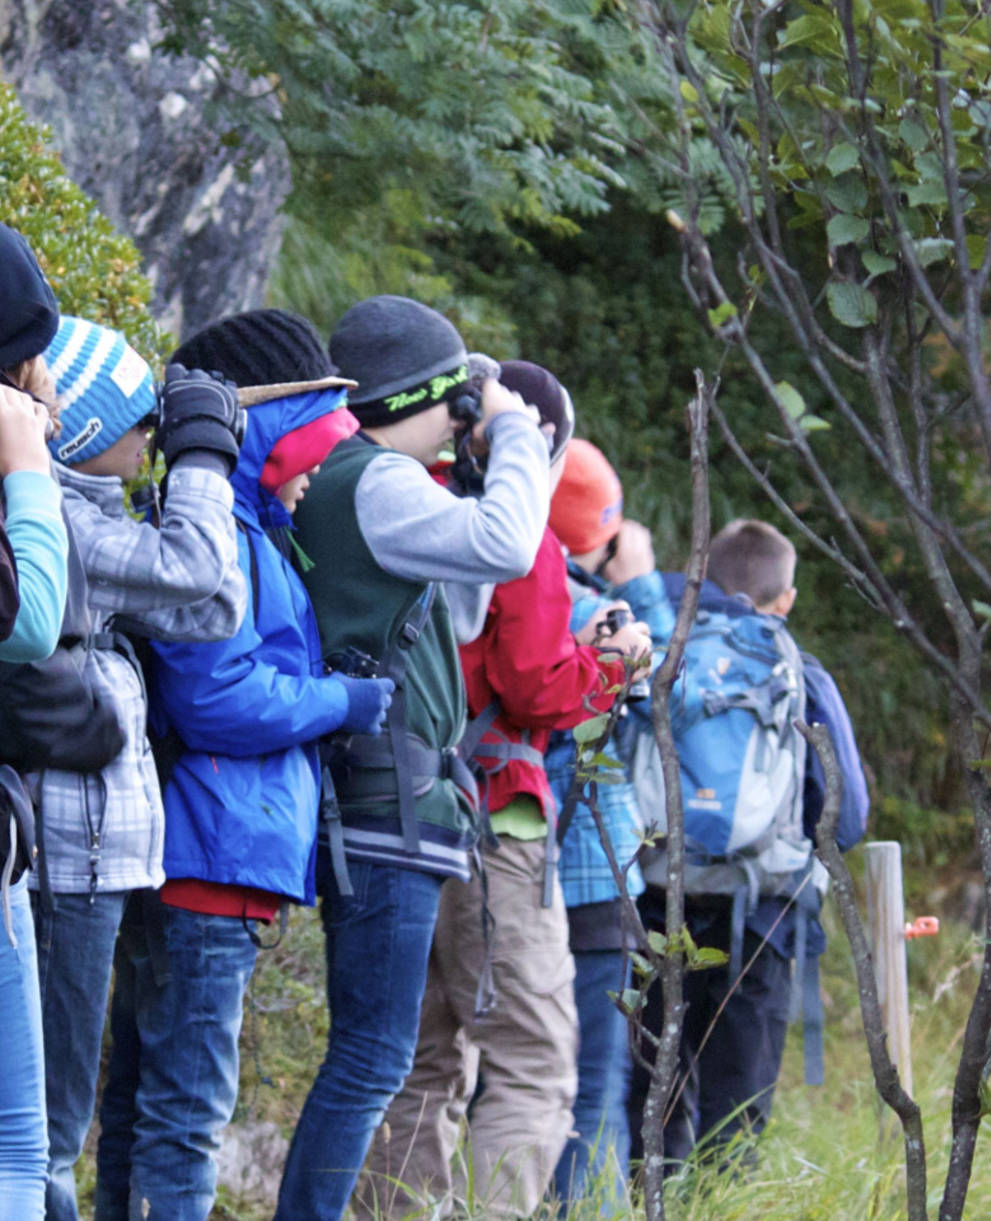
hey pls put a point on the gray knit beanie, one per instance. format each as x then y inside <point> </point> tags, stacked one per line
<point>404,356</point>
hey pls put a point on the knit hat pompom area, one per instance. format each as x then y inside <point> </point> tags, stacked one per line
<point>405,357</point>
<point>103,388</point>
<point>266,353</point>
<point>28,311</point>
<point>587,508</point>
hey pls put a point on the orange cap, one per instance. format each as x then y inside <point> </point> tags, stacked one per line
<point>587,508</point>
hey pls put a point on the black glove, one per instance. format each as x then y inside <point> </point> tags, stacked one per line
<point>198,410</point>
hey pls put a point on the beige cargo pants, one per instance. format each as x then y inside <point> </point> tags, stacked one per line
<point>525,1049</point>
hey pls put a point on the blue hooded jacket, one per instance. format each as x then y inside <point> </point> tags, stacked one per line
<point>241,803</point>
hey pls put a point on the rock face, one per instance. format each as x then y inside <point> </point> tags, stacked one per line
<point>137,131</point>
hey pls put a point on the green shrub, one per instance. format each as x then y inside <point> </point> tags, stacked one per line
<point>94,270</point>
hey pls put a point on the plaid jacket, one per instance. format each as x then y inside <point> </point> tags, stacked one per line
<point>180,582</point>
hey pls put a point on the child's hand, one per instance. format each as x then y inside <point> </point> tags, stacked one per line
<point>634,555</point>
<point>22,433</point>
<point>632,640</point>
<point>594,629</point>
<point>368,702</point>
<point>496,399</point>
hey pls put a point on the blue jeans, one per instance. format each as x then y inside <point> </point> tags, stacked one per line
<point>602,1148</point>
<point>23,1139</point>
<point>75,956</point>
<point>173,1074</point>
<point>378,942</point>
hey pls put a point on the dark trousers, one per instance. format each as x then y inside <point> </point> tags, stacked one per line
<point>728,1065</point>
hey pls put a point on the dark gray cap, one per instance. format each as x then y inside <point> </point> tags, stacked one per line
<point>404,356</point>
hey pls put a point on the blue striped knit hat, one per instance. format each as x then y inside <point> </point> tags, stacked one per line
<point>104,388</point>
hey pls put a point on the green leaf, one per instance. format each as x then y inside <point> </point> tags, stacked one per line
<point>793,402</point>
<point>842,157</point>
<point>657,942</point>
<point>976,247</point>
<point>630,1000</point>
<point>722,313</point>
<point>981,609</point>
<point>933,249</point>
<point>687,942</point>
<point>914,134</point>
<point>688,91</point>
<point>843,228</point>
<point>847,193</point>
<point>851,304</point>
<point>590,730</point>
<point>932,192</point>
<point>815,30</point>
<point>641,965</point>
<point>877,264</point>
<point>602,760</point>
<point>706,957</point>
<point>814,423</point>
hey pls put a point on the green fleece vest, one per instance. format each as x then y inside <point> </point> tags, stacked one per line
<point>357,603</point>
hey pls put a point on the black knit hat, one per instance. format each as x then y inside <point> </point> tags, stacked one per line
<point>28,310</point>
<point>404,356</point>
<point>266,353</point>
<point>542,390</point>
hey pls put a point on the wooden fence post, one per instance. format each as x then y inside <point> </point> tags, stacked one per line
<point>886,918</point>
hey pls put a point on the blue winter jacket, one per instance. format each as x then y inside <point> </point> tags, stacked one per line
<point>242,800</point>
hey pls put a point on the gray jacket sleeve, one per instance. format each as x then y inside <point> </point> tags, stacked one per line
<point>182,581</point>
<point>419,531</point>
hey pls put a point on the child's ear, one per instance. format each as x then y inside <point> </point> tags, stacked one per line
<point>781,605</point>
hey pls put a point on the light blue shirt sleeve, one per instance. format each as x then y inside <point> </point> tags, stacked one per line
<point>40,546</point>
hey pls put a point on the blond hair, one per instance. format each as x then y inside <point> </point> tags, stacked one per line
<point>34,377</point>
<point>752,557</point>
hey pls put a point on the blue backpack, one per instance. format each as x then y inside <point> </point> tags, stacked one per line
<point>733,711</point>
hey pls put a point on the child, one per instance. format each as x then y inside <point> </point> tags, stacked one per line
<point>381,533</point>
<point>525,674</point>
<point>102,827</point>
<point>238,722</point>
<point>608,557</point>
<point>33,584</point>
<point>730,1070</point>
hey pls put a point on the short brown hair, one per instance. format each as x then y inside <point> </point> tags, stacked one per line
<point>751,557</point>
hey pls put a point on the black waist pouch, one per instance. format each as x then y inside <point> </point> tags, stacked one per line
<point>50,716</point>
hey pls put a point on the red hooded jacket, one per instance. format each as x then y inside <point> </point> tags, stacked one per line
<point>527,658</point>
